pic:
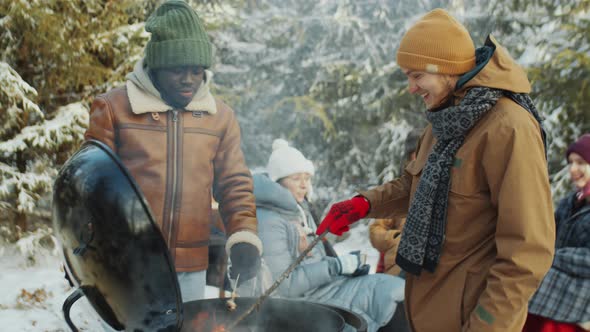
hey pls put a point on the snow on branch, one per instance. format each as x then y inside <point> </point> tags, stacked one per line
<point>67,127</point>
<point>21,191</point>
<point>40,240</point>
<point>15,98</point>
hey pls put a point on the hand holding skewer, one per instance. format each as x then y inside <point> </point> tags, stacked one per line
<point>278,282</point>
<point>231,303</point>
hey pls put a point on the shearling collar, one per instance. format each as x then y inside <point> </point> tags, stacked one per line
<point>145,98</point>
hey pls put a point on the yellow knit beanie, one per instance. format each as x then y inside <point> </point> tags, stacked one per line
<point>437,44</point>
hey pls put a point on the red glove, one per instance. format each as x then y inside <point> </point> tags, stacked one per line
<point>343,214</point>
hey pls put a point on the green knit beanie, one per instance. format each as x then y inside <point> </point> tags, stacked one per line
<point>178,37</point>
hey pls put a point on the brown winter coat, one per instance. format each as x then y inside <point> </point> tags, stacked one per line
<point>500,228</point>
<point>385,235</point>
<point>179,159</point>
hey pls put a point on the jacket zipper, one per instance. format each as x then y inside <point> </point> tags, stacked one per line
<point>174,173</point>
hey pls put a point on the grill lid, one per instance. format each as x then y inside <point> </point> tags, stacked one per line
<point>113,250</point>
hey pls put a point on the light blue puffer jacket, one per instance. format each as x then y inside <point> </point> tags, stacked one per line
<point>316,279</point>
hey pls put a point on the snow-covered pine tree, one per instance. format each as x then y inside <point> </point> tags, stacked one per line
<point>559,68</point>
<point>319,73</point>
<point>54,56</point>
<point>322,74</point>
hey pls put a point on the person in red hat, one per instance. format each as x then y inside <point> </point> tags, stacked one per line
<point>562,302</point>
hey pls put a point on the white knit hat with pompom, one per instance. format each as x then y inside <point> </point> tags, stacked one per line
<point>285,160</point>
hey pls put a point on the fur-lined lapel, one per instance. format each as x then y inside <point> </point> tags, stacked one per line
<point>145,98</point>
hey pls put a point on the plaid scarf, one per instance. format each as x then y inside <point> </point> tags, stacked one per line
<point>424,230</point>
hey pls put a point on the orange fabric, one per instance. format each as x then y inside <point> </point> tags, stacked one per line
<point>502,72</point>
<point>385,236</point>
<point>437,44</point>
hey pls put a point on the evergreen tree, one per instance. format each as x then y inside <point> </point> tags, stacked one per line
<point>55,55</point>
<point>321,74</point>
<point>559,67</point>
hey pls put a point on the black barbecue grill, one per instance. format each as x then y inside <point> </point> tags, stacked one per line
<point>115,255</point>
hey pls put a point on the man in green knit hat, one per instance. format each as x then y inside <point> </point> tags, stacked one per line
<point>182,146</point>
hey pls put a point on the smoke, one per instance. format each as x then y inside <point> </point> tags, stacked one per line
<point>273,315</point>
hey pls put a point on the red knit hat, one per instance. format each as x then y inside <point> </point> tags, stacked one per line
<point>581,147</point>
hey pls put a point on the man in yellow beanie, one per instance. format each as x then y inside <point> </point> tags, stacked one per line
<point>182,146</point>
<point>480,232</point>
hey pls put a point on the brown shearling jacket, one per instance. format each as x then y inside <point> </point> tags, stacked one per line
<point>180,159</point>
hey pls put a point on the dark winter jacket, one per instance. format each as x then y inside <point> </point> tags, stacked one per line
<point>564,294</point>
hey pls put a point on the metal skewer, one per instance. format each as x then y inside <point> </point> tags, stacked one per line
<point>276,284</point>
<point>231,303</point>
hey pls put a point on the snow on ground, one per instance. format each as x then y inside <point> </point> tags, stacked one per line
<point>31,293</point>
<point>33,288</point>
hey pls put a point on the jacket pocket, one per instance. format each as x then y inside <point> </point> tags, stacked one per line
<point>466,179</point>
<point>474,286</point>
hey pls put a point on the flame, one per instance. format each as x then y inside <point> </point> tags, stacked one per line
<point>219,328</point>
<point>202,323</point>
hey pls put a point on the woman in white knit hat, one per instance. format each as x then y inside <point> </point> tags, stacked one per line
<point>286,227</point>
